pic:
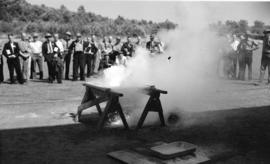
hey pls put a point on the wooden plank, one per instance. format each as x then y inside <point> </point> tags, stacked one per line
<point>173,150</point>
<point>91,103</point>
<point>132,157</point>
<point>97,87</point>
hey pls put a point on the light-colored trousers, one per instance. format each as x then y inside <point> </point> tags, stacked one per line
<point>26,65</point>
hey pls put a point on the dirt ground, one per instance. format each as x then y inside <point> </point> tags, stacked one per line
<point>230,125</point>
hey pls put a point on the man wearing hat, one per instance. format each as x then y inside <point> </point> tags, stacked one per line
<point>25,53</point>
<point>265,61</point>
<point>50,52</point>
<point>116,49</point>
<point>128,48</point>
<point>78,48</point>
<point>90,53</point>
<point>150,45</point>
<point>1,67</point>
<point>67,53</point>
<point>11,51</point>
<point>37,57</point>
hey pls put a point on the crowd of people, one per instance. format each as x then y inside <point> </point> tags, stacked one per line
<point>88,55</point>
<point>238,52</point>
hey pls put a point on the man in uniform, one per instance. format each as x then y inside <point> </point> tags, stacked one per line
<point>1,67</point>
<point>128,48</point>
<point>78,47</point>
<point>90,53</point>
<point>67,53</point>
<point>37,57</point>
<point>246,48</point>
<point>25,53</point>
<point>11,51</point>
<point>50,52</point>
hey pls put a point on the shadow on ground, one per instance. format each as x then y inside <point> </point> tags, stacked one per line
<point>245,132</point>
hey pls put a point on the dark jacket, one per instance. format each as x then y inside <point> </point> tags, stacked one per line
<point>7,50</point>
<point>47,55</point>
<point>73,45</point>
<point>91,48</point>
<point>127,49</point>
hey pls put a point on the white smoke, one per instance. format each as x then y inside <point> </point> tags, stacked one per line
<point>187,77</point>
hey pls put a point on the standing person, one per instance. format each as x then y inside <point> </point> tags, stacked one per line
<point>128,48</point>
<point>1,67</point>
<point>116,49</point>
<point>67,53</point>
<point>25,53</point>
<point>265,61</point>
<point>90,53</point>
<point>78,47</point>
<point>150,45</point>
<point>49,50</point>
<point>58,65</point>
<point>11,51</point>
<point>246,48</point>
<point>234,55</point>
<point>106,49</point>
<point>98,55</point>
<point>37,57</point>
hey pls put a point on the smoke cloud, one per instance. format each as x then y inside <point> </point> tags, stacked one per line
<point>188,76</point>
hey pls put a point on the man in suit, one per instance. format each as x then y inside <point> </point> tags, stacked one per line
<point>67,53</point>
<point>90,53</point>
<point>1,67</point>
<point>78,48</point>
<point>11,51</point>
<point>51,53</point>
<point>128,48</point>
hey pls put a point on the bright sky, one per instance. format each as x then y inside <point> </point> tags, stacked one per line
<point>162,10</point>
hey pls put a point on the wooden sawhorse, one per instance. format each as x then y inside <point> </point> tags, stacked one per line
<point>94,95</point>
<point>153,105</point>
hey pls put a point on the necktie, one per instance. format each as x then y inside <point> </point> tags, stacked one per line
<point>50,47</point>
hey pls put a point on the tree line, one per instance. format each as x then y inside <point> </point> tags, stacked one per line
<point>242,26</point>
<point>18,15</point>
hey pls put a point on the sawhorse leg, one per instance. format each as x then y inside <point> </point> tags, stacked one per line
<point>112,105</point>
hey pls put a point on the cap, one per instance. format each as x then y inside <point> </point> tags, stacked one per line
<point>48,35</point>
<point>68,33</point>
<point>78,34</point>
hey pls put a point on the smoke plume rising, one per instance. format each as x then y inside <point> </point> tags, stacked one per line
<point>188,76</point>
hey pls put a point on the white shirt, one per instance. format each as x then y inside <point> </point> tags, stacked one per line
<point>36,47</point>
<point>60,45</point>
<point>235,44</point>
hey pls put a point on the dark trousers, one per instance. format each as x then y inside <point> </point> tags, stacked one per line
<point>265,62</point>
<point>245,60</point>
<point>1,70</point>
<point>67,65</point>
<point>234,58</point>
<point>89,59</point>
<point>14,64</point>
<point>78,62</point>
<point>58,67</point>
<point>49,60</point>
